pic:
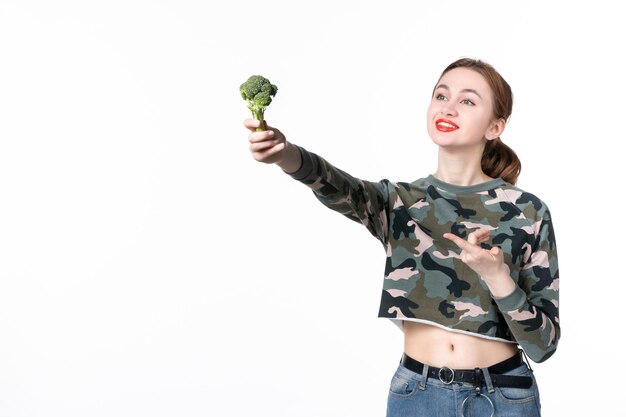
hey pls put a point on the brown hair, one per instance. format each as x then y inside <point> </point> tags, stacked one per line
<point>498,160</point>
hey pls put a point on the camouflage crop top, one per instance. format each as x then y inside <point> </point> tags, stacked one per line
<point>425,281</point>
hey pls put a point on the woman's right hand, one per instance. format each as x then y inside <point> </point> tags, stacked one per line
<point>271,147</point>
<point>267,146</point>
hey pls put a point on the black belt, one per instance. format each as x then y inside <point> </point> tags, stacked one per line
<point>475,376</point>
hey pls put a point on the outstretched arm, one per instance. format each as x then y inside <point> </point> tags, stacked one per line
<point>361,201</point>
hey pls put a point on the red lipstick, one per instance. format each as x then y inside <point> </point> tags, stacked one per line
<point>445,125</point>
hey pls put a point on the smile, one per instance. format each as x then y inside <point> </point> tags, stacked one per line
<point>444,125</point>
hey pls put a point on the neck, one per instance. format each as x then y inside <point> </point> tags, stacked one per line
<point>460,167</point>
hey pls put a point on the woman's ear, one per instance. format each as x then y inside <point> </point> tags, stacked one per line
<point>495,129</point>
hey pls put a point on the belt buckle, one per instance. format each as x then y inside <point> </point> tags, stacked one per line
<point>446,375</point>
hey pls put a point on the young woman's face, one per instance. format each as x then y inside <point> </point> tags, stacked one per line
<point>461,110</point>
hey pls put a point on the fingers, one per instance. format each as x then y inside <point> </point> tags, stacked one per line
<point>266,154</point>
<point>471,247</point>
<point>479,236</point>
<point>460,242</point>
<point>261,136</point>
<point>265,145</point>
<point>251,124</point>
<point>472,244</point>
<point>269,133</point>
<point>262,145</point>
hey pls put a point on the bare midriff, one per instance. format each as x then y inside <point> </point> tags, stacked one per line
<point>438,347</point>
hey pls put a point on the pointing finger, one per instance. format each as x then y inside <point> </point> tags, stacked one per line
<point>461,243</point>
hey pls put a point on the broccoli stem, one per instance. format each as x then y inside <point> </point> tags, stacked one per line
<point>259,116</point>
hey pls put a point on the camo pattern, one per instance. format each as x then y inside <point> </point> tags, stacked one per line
<point>425,279</point>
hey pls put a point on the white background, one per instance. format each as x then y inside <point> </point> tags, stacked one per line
<point>150,267</point>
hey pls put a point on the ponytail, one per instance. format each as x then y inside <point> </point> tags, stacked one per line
<point>500,161</point>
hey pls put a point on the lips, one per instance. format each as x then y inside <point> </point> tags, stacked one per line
<point>445,125</point>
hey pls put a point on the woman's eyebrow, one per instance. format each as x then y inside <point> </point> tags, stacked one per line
<point>465,90</point>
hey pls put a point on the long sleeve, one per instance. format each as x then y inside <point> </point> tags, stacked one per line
<point>424,281</point>
<point>532,310</point>
<point>361,201</point>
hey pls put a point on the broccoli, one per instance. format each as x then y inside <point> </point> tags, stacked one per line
<point>258,92</point>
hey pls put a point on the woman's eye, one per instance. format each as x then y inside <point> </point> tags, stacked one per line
<point>440,97</point>
<point>467,101</point>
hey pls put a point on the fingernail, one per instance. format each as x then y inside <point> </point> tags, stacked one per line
<point>270,133</point>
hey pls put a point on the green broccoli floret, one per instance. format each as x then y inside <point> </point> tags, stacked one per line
<point>258,92</point>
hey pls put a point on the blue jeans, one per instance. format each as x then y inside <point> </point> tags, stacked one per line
<point>411,396</point>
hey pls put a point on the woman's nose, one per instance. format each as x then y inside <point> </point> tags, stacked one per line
<point>449,109</point>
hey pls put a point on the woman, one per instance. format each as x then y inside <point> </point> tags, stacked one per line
<point>471,271</point>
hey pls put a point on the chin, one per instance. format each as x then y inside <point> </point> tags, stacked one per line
<point>442,140</point>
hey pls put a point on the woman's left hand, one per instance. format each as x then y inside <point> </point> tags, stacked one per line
<point>489,264</point>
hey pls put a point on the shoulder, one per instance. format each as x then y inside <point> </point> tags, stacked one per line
<point>417,188</point>
<point>420,184</point>
<point>528,203</point>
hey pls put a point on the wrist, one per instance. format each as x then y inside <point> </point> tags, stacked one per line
<point>501,284</point>
<point>291,159</point>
